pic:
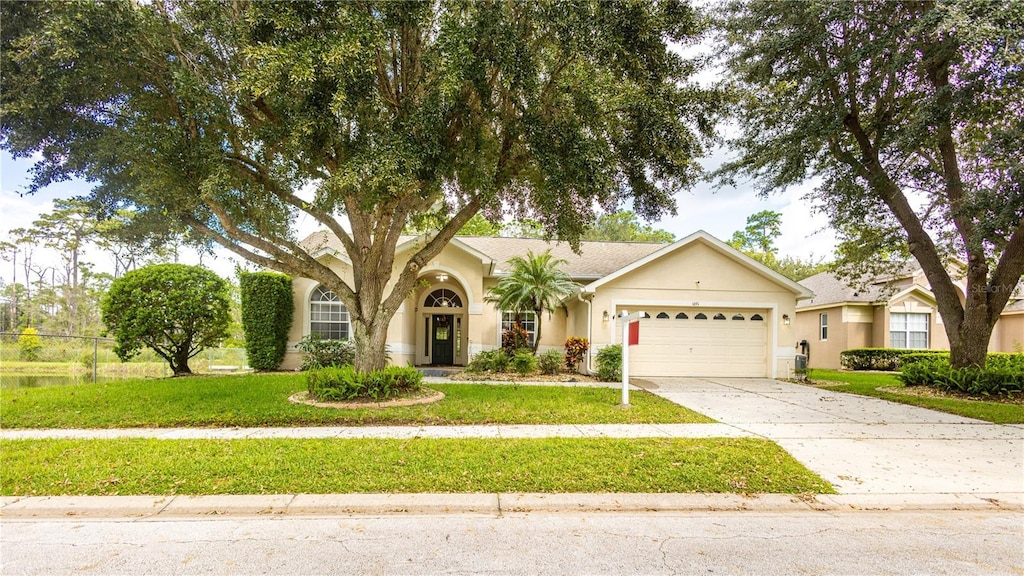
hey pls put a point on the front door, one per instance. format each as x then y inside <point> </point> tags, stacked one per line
<point>442,339</point>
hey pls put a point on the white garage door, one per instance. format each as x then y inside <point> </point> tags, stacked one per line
<point>701,342</point>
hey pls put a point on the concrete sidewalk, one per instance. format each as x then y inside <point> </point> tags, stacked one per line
<point>399,432</point>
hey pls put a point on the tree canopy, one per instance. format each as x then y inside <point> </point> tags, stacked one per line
<point>625,226</point>
<point>235,119</point>
<point>912,116</point>
<point>757,240</point>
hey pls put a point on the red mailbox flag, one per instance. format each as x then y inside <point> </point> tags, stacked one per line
<point>634,333</point>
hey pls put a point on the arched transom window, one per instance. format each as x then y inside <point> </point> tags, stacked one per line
<point>328,317</point>
<point>443,298</point>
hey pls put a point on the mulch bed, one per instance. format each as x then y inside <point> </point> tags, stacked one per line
<point>465,376</point>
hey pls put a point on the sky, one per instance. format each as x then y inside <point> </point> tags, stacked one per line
<point>718,211</point>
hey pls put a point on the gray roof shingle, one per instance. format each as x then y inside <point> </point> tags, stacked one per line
<point>596,259</point>
<point>829,289</point>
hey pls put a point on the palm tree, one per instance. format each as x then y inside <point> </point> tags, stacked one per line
<point>534,284</point>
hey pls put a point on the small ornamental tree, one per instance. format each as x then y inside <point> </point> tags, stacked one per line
<point>267,310</point>
<point>535,284</point>
<point>175,309</point>
<point>29,345</point>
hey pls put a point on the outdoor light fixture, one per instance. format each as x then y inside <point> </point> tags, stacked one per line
<point>604,316</point>
<point>785,319</point>
<point>442,277</point>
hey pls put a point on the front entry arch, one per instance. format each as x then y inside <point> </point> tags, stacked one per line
<point>441,335</point>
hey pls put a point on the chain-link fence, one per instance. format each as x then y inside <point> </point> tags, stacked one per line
<point>45,359</point>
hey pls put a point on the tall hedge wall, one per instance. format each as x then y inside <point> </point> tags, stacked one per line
<point>267,311</point>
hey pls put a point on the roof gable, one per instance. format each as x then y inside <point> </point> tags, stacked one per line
<point>721,247</point>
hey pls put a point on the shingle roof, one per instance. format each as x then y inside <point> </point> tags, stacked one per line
<point>597,259</point>
<point>1017,306</point>
<point>829,289</point>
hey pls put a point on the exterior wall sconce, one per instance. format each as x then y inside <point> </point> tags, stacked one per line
<point>604,316</point>
<point>785,319</point>
<point>442,277</point>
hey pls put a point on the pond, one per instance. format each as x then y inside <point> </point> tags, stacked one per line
<point>38,380</point>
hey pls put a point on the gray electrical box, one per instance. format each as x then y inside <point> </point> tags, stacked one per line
<point>801,363</point>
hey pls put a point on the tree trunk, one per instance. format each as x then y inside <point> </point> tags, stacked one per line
<point>371,345</point>
<point>536,337</point>
<point>179,362</point>
<point>971,347</point>
<point>969,331</point>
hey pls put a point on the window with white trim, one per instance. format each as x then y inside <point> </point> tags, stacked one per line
<point>528,320</point>
<point>908,330</point>
<point>823,327</point>
<point>328,317</point>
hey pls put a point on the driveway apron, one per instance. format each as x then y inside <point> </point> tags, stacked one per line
<point>863,445</point>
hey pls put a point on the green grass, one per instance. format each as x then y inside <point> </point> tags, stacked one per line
<point>867,384</point>
<point>262,400</point>
<point>289,466</point>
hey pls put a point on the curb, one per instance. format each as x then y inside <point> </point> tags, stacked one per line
<point>483,504</point>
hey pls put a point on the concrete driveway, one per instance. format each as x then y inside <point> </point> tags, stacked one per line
<point>864,445</point>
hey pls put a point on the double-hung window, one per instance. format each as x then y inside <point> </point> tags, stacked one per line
<point>907,330</point>
<point>527,320</point>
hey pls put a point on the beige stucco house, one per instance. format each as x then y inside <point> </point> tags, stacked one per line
<point>897,311</point>
<point>712,310</point>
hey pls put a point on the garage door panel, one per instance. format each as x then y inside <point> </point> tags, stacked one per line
<point>692,347</point>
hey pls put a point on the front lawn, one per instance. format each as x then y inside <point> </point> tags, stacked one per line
<point>868,384</point>
<point>322,466</point>
<point>262,400</point>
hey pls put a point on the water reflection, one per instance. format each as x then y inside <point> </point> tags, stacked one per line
<point>36,381</point>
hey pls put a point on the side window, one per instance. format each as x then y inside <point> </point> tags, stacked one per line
<point>823,324</point>
<point>328,317</point>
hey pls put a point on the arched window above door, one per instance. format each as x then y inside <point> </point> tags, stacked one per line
<point>442,298</point>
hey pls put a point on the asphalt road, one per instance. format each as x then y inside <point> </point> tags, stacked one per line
<point>808,543</point>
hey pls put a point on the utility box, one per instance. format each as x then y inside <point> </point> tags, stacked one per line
<point>800,366</point>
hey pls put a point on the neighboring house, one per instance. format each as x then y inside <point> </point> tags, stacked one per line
<point>713,310</point>
<point>897,311</point>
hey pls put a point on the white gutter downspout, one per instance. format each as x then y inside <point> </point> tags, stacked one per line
<point>590,339</point>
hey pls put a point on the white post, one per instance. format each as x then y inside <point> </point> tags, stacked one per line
<point>625,359</point>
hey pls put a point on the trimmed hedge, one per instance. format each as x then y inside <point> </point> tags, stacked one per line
<point>342,383</point>
<point>879,358</point>
<point>1004,377</point>
<point>267,310</point>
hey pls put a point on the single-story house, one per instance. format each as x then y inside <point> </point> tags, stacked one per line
<point>712,311</point>
<point>895,311</point>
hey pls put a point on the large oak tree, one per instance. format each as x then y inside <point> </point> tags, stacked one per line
<point>236,118</point>
<point>912,116</point>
